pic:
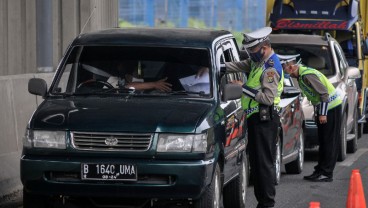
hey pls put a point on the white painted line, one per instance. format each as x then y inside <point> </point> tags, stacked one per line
<point>354,157</point>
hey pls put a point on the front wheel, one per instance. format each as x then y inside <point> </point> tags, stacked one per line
<point>235,193</point>
<point>342,139</point>
<point>211,198</point>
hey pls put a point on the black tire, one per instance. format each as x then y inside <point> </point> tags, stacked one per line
<point>342,139</point>
<point>296,166</point>
<point>352,145</point>
<point>235,193</point>
<point>278,161</point>
<point>211,198</point>
<point>360,131</point>
<point>35,201</point>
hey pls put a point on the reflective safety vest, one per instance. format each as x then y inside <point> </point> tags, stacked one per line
<point>312,95</point>
<point>254,81</point>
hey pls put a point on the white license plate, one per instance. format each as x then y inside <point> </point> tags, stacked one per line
<point>118,172</point>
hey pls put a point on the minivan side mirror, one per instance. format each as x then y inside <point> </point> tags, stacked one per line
<point>37,86</point>
<point>232,92</point>
<point>353,73</point>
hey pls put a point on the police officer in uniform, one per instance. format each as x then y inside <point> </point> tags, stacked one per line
<point>323,95</point>
<point>261,96</point>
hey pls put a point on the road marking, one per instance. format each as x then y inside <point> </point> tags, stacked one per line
<point>354,157</point>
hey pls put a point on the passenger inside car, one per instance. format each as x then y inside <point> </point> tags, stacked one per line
<point>183,77</point>
<point>130,75</point>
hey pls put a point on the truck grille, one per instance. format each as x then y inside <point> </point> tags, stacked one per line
<point>111,141</point>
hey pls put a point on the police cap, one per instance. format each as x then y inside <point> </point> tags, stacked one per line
<point>287,58</point>
<point>256,37</point>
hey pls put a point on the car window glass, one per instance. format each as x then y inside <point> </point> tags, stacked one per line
<point>314,56</point>
<point>224,54</point>
<point>91,69</point>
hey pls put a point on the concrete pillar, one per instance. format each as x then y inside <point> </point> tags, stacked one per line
<point>57,32</point>
<point>44,35</point>
<point>14,38</point>
<point>30,37</point>
<point>70,24</point>
<point>18,34</point>
<point>3,37</point>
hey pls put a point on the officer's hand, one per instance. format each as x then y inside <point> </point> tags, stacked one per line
<point>322,119</point>
<point>202,71</point>
<point>162,85</point>
<point>237,82</point>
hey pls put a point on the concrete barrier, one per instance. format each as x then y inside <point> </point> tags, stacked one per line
<point>16,108</point>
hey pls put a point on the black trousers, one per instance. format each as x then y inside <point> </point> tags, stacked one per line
<point>328,138</point>
<point>262,151</point>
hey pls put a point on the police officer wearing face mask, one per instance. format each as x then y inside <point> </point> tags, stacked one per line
<point>261,96</point>
<point>323,95</point>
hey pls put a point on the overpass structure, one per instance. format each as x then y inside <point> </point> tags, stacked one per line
<point>34,33</point>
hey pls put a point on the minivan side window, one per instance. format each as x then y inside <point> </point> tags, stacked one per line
<point>66,83</point>
<point>226,53</point>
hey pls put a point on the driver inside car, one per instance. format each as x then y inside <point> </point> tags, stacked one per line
<point>129,73</point>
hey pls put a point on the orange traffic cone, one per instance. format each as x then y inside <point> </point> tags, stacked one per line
<point>356,193</point>
<point>314,205</point>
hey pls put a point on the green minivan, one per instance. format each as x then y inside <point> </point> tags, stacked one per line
<point>95,142</point>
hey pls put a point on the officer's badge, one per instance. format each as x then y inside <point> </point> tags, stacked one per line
<point>270,76</point>
<point>270,79</point>
<point>270,62</point>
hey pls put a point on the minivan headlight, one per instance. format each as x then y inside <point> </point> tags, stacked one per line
<point>182,143</point>
<point>45,139</point>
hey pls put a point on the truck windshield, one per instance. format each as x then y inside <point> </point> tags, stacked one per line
<point>314,56</point>
<point>92,70</point>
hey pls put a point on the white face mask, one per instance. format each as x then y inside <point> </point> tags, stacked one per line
<point>137,80</point>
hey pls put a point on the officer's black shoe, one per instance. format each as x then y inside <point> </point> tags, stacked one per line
<point>323,178</point>
<point>318,177</point>
<point>314,175</point>
<point>261,206</point>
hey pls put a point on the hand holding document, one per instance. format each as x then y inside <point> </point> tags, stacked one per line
<point>193,84</point>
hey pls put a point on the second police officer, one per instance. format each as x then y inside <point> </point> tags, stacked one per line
<point>261,97</point>
<point>323,95</point>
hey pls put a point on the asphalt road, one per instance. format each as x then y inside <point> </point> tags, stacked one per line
<point>293,191</point>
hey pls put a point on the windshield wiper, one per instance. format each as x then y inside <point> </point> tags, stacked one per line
<point>99,92</point>
<point>117,90</point>
<point>183,92</point>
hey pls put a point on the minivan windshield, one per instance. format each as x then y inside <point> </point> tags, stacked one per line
<point>314,56</point>
<point>96,70</point>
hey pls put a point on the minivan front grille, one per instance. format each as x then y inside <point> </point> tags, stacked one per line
<point>111,141</point>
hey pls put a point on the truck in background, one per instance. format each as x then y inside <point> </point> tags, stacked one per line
<point>345,20</point>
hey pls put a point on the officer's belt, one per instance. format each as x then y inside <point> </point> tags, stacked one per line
<point>251,110</point>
